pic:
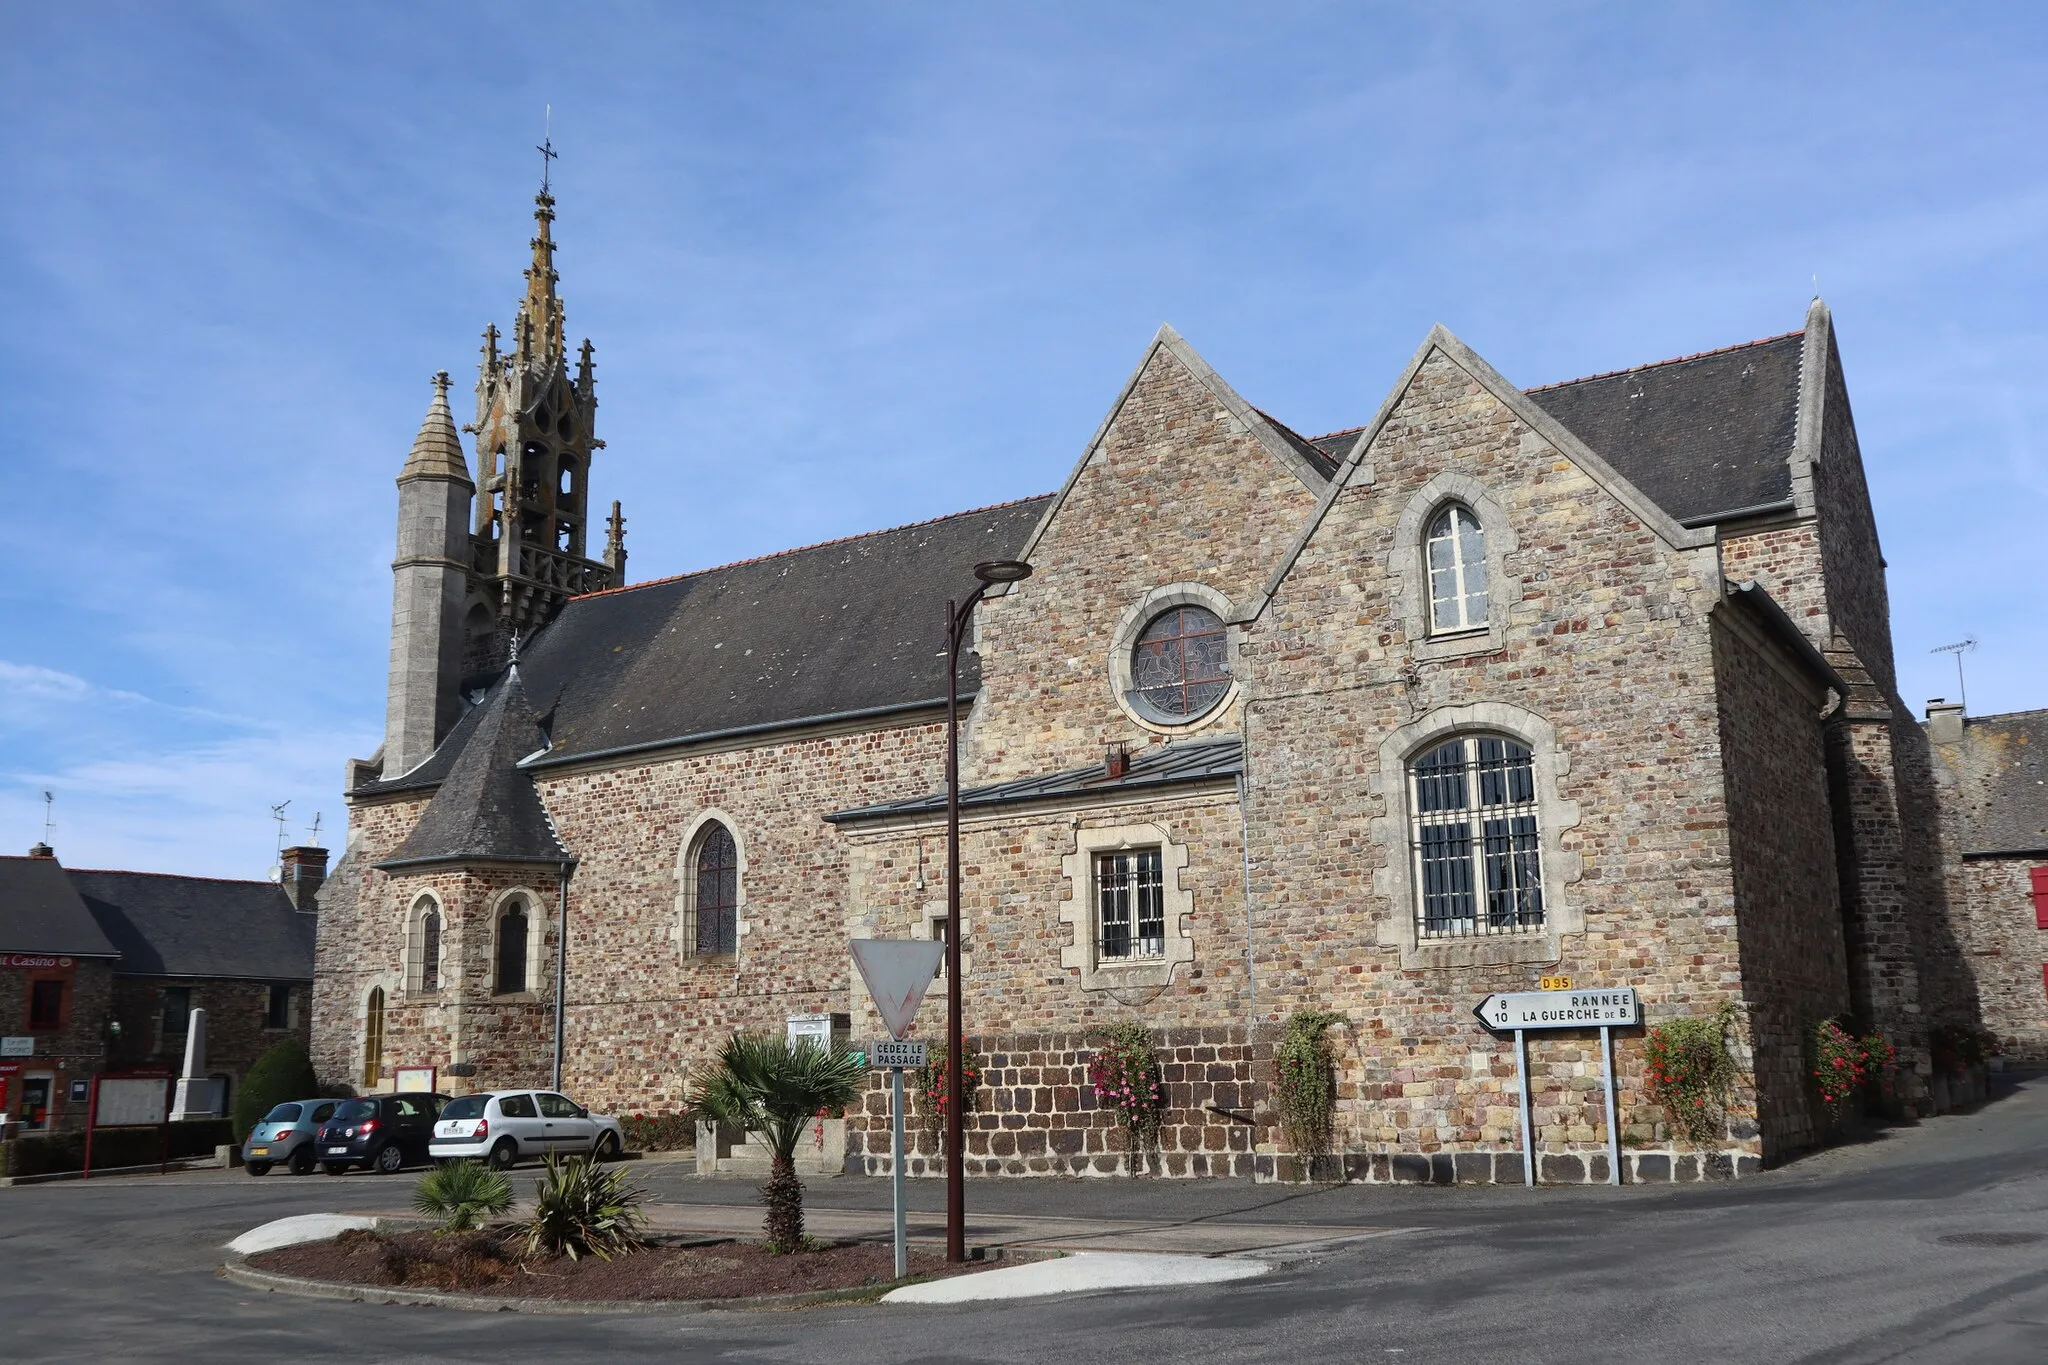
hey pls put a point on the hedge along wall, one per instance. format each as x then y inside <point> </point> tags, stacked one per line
<point>43,1153</point>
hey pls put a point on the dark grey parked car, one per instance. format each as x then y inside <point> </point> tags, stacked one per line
<point>380,1132</point>
<point>284,1137</point>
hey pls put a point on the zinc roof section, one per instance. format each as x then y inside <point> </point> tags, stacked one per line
<point>1161,765</point>
<point>167,925</point>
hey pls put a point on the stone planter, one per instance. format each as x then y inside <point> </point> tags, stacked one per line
<point>725,1150</point>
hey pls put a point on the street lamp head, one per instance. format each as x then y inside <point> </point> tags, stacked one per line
<point>1002,571</point>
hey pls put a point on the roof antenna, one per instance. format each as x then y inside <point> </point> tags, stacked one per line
<point>313,831</point>
<point>277,814</point>
<point>48,824</point>
<point>547,148</point>
<point>1959,649</point>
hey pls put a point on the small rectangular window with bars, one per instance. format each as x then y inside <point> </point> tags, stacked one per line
<point>1130,906</point>
<point>1476,844</point>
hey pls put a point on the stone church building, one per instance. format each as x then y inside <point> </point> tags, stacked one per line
<point>1591,680</point>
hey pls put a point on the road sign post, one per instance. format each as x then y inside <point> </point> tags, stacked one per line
<point>897,972</point>
<point>1520,1011</point>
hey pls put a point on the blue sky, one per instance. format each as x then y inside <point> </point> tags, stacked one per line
<point>848,266</point>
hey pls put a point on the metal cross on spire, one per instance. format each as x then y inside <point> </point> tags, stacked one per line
<point>548,155</point>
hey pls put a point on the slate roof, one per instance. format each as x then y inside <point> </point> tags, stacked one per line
<point>167,925</point>
<point>849,627</point>
<point>2004,784</point>
<point>486,808</point>
<point>1702,436</point>
<point>1161,765</point>
<point>41,913</point>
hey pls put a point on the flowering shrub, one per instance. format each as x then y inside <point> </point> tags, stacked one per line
<point>1125,1074</point>
<point>931,1089</point>
<point>1836,1062</point>
<point>1687,1070</point>
<point>1880,1060</point>
<point>1958,1047</point>
<point>659,1132</point>
<point>1305,1082</point>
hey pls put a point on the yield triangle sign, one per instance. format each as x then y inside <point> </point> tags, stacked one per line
<point>897,972</point>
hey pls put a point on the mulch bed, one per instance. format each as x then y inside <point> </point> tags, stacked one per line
<point>493,1264</point>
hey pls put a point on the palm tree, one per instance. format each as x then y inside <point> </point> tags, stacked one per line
<point>776,1087</point>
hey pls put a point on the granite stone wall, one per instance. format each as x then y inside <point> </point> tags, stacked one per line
<point>1178,490</point>
<point>1782,851</point>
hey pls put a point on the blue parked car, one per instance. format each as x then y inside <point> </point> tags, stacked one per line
<point>284,1136</point>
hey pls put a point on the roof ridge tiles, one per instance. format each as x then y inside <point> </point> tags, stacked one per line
<point>180,876</point>
<point>1674,360</point>
<point>815,545</point>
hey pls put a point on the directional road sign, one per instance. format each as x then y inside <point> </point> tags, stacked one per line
<point>1616,1007</point>
<point>897,972</point>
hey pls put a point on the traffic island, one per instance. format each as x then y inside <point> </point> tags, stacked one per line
<point>489,1271</point>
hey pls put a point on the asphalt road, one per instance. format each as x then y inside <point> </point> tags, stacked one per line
<point>1836,1258</point>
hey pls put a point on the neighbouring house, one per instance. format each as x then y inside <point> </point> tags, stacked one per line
<point>1590,680</point>
<point>111,965</point>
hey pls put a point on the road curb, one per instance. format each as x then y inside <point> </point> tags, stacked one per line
<point>237,1271</point>
<point>179,1166</point>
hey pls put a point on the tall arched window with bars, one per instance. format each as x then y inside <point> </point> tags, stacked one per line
<point>1475,838</point>
<point>715,891</point>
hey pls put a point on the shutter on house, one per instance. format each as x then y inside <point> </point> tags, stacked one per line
<point>2040,897</point>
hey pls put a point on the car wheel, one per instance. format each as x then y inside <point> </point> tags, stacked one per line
<point>608,1147</point>
<point>336,1167</point>
<point>503,1155</point>
<point>257,1167</point>
<point>302,1160</point>
<point>390,1160</point>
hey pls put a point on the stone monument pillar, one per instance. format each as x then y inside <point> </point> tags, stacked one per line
<point>198,1097</point>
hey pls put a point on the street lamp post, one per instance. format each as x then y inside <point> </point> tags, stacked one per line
<point>957,615</point>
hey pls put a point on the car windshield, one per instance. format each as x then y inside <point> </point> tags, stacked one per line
<point>356,1109</point>
<point>284,1113</point>
<point>468,1107</point>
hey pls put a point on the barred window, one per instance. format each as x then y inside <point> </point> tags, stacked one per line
<point>1179,666</point>
<point>1472,803</point>
<point>716,889</point>
<point>1457,571</point>
<point>1130,906</point>
<point>512,930</point>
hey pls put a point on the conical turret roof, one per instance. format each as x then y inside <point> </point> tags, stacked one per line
<point>487,810</point>
<point>437,450</point>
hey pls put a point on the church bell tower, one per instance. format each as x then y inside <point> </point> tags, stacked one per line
<point>482,560</point>
<point>535,434</point>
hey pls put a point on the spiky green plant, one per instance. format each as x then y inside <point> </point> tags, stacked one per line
<point>776,1088</point>
<point>580,1206</point>
<point>460,1195</point>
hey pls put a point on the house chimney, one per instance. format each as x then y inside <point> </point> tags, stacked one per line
<point>42,851</point>
<point>303,867</point>
<point>1944,721</point>
<point>1116,760</point>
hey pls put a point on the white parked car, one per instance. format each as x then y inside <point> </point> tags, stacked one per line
<point>503,1126</point>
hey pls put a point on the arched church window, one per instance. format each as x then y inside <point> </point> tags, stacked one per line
<point>716,886</point>
<point>512,932</point>
<point>1456,549</point>
<point>430,948</point>
<point>373,1039</point>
